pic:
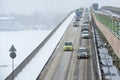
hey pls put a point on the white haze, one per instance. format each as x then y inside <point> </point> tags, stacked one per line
<point>49,6</point>
<point>45,13</point>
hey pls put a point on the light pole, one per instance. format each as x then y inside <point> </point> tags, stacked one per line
<point>12,55</point>
<point>112,26</point>
<point>119,28</point>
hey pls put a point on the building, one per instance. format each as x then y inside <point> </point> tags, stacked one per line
<point>7,23</point>
<point>95,6</point>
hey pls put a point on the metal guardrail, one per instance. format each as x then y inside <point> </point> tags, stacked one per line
<point>98,65</point>
<point>34,52</point>
<point>98,73</point>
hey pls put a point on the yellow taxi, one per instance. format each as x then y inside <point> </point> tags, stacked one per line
<point>68,46</point>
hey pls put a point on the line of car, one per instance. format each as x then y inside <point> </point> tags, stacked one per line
<point>68,45</point>
<point>83,51</point>
<point>85,34</point>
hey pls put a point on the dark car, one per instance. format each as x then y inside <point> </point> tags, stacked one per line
<point>76,24</point>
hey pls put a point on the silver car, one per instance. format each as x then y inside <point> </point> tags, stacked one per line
<point>82,53</point>
<point>85,34</point>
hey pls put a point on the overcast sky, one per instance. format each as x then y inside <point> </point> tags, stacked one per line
<point>44,6</point>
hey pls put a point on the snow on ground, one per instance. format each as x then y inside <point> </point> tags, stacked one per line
<point>24,41</point>
<point>32,70</point>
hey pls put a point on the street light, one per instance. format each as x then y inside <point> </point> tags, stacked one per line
<point>119,28</point>
<point>112,26</point>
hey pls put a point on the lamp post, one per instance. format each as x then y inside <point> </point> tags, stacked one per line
<point>119,28</point>
<point>12,55</point>
<point>112,26</point>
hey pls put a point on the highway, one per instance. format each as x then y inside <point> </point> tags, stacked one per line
<point>64,65</point>
<point>60,64</point>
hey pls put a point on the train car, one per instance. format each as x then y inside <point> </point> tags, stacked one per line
<point>108,72</point>
<point>105,56</point>
<point>106,62</point>
<point>99,44</point>
<point>111,77</point>
<point>102,50</point>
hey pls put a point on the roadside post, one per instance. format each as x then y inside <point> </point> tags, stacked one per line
<point>12,55</point>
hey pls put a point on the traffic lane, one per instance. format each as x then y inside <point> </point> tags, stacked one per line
<point>81,69</point>
<point>84,68</point>
<point>50,67</point>
<point>72,68</point>
<point>61,71</point>
<point>65,65</point>
<point>59,52</point>
<point>91,76</point>
<point>89,44</point>
<point>85,43</point>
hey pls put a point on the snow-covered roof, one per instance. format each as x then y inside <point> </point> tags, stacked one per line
<point>110,71</point>
<point>7,18</point>
<point>110,77</point>
<point>105,62</point>
<point>105,56</point>
<point>103,50</point>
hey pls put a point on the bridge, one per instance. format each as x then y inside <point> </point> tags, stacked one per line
<point>64,65</point>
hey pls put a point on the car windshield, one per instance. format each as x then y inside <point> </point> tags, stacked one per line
<point>85,25</point>
<point>76,22</point>
<point>85,28</point>
<point>82,50</point>
<point>68,43</point>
